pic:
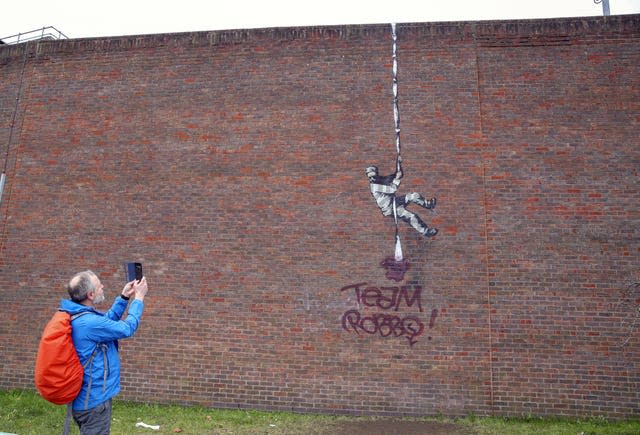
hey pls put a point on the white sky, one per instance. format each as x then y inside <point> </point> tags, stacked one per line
<point>87,18</point>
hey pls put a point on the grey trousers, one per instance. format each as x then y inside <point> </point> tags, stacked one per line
<point>95,421</point>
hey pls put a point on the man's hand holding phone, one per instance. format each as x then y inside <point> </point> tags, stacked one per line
<point>128,290</point>
<point>140,288</point>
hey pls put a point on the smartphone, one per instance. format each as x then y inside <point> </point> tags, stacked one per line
<point>133,271</point>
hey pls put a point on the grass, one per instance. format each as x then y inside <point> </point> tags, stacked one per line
<point>25,412</point>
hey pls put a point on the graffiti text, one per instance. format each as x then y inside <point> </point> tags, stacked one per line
<point>386,297</point>
<point>384,324</point>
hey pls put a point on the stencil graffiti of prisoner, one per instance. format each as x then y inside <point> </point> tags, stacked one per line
<point>384,188</point>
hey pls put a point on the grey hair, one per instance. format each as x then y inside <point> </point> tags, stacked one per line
<point>80,285</point>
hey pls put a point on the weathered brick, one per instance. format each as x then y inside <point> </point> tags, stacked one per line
<point>232,164</point>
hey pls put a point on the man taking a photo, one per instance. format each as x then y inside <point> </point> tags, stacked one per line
<point>95,336</point>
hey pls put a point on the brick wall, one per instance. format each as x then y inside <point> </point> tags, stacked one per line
<point>232,165</point>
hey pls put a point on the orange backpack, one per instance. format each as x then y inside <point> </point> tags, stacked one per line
<point>58,373</point>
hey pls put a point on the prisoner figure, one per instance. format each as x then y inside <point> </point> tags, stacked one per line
<point>383,189</point>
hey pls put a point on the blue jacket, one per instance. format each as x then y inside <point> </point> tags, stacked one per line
<point>99,332</point>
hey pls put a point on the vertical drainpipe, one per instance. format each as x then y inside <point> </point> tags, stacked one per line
<point>2,178</point>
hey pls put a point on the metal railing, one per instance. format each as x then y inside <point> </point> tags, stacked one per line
<point>43,33</point>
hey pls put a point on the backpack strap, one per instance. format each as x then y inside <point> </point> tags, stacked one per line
<point>69,415</point>
<point>90,364</point>
<point>66,430</point>
<point>99,346</point>
<point>105,364</point>
<point>76,315</point>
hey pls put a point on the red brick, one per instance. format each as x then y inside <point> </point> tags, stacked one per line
<point>231,164</point>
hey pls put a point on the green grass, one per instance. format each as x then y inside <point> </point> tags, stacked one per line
<point>556,426</point>
<point>25,412</point>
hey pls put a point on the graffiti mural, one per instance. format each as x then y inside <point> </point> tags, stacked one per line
<point>386,301</point>
<point>395,269</point>
<point>384,188</point>
<point>386,298</point>
<point>384,324</point>
<point>389,299</point>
